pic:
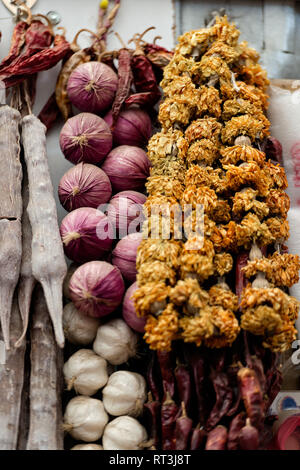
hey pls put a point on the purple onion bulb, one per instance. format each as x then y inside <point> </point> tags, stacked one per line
<point>97,288</point>
<point>129,313</point>
<point>84,185</point>
<point>86,234</point>
<point>92,87</point>
<point>85,138</point>
<point>133,127</point>
<point>127,168</point>
<point>124,255</point>
<point>125,212</point>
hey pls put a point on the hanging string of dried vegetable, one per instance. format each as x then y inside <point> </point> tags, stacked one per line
<point>209,153</point>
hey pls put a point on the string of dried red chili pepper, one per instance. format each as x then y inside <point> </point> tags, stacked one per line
<point>252,395</point>
<point>147,91</point>
<point>152,415</point>
<point>124,82</point>
<point>42,60</point>
<point>183,429</point>
<point>184,385</point>
<point>216,439</point>
<point>38,37</point>
<point>49,113</point>
<point>197,438</point>
<point>169,413</point>
<point>224,396</point>
<point>165,360</point>
<point>17,42</point>
<point>235,428</point>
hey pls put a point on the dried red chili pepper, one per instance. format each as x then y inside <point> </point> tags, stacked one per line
<point>258,367</point>
<point>152,412</point>
<point>216,439</point>
<point>49,113</point>
<point>153,47</point>
<point>61,95</point>
<point>252,395</point>
<point>37,37</point>
<point>169,414</point>
<point>235,427</point>
<point>248,437</point>
<point>152,377</point>
<point>232,371</point>
<point>273,149</point>
<point>224,396</point>
<point>236,404</point>
<point>17,42</point>
<point>197,438</point>
<point>42,60</point>
<point>183,429</point>
<point>197,362</point>
<point>145,82</point>
<point>158,56</point>
<point>184,385</point>
<point>165,360</point>
<point>108,59</point>
<point>124,82</point>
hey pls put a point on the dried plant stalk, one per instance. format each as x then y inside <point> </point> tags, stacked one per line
<point>10,209</point>
<point>45,430</point>
<point>11,385</point>
<point>48,261</point>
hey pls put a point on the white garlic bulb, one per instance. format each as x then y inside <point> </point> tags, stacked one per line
<point>79,328</point>
<point>85,418</point>
<point>124,433</point>
<point>87,447</point>
<point>115,341</point>
<point>124,394</point>
<point>86,372</point>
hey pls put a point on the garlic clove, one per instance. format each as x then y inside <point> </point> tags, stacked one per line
<point>85,418</point>
<point>79,328</point>
<point>124,394</point>
<point>124,433</point>
<point>115,342</point>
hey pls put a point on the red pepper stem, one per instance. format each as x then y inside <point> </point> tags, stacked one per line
<point>168,400</point>
<point>47,20</point>
<point>156,39</point>
<point>74,42</point>
<point>183,410</point>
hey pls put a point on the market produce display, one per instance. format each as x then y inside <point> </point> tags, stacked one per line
<point>166,331</point>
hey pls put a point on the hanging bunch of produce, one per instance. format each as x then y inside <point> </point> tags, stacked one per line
<point>115,93</point>
<point>32,250</point>
<point>215,301</point>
